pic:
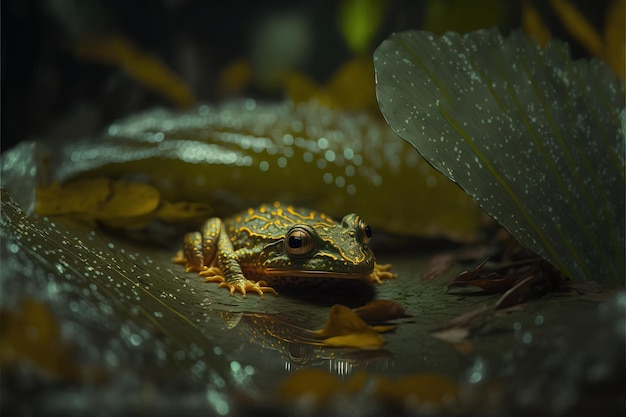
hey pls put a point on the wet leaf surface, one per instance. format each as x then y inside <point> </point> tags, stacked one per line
<point>242,153</point>
<point>530,134</point>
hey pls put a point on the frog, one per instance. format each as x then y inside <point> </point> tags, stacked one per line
<point>276,242</point>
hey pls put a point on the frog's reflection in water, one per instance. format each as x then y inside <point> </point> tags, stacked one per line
<point>290,336</point>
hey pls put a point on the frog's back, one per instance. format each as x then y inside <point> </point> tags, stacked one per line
<point>270,222</point>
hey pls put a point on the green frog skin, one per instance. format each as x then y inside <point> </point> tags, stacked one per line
<point>275,242</point>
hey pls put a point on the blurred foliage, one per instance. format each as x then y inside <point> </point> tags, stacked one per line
<point>359,21</point>
<point>423,392</point>
<point>533,24</point>
<point>465,16</point>
<point>31,337</point>
<point>610,45</point>
<point>144,68</point>
<point>90,63</point>
<point>614,51</point>
<point>234,78</point>
<point>351,87</point>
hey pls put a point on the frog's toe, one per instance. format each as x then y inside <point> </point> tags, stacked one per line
<point>212,274</point>
<point>381,272</point>
<point>195,265</point>
<point>239,287</point>
<point>232,288</point>
<point>191,263</point>
<point>261,287</point>
<point>245,286</point>
<point>196,268</point>
<point>179,258</point>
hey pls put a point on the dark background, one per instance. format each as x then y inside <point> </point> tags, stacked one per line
<point>50,92</point>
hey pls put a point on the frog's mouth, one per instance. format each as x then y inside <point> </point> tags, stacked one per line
<point>276,272</point>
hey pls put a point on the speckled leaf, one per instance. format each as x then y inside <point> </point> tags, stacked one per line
<point>117,306</point>
<point>533,136</point>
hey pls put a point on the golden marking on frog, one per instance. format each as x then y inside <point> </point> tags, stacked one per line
<point>274,243</point>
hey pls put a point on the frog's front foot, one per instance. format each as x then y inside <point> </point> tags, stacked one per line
<point>244,285</point>
<point>381,272</point>
<point>240,285</point>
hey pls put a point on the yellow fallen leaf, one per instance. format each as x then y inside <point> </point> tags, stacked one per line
<point>384,329</point>
<point>30,334</point>
<point>426,388</point>
<point>97,198</point>
<point>128,199</point>
<point>315,384</point>
<point>82,196</point>
<point>345,328</point>
<point>366,340</point>
<point>355,383</point>
<point>342,321</point>
<point>316,387</point>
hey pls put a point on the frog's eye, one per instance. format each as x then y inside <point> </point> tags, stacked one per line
<point>299,242</point>
<point>366,231</point>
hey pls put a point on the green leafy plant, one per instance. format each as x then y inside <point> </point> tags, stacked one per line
<point>533,136</point>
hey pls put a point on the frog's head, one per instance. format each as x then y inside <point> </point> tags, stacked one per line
<point>322,250</point>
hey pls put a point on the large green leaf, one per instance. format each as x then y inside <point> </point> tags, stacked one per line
<point>529,133</point>
<point>243,153</point>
